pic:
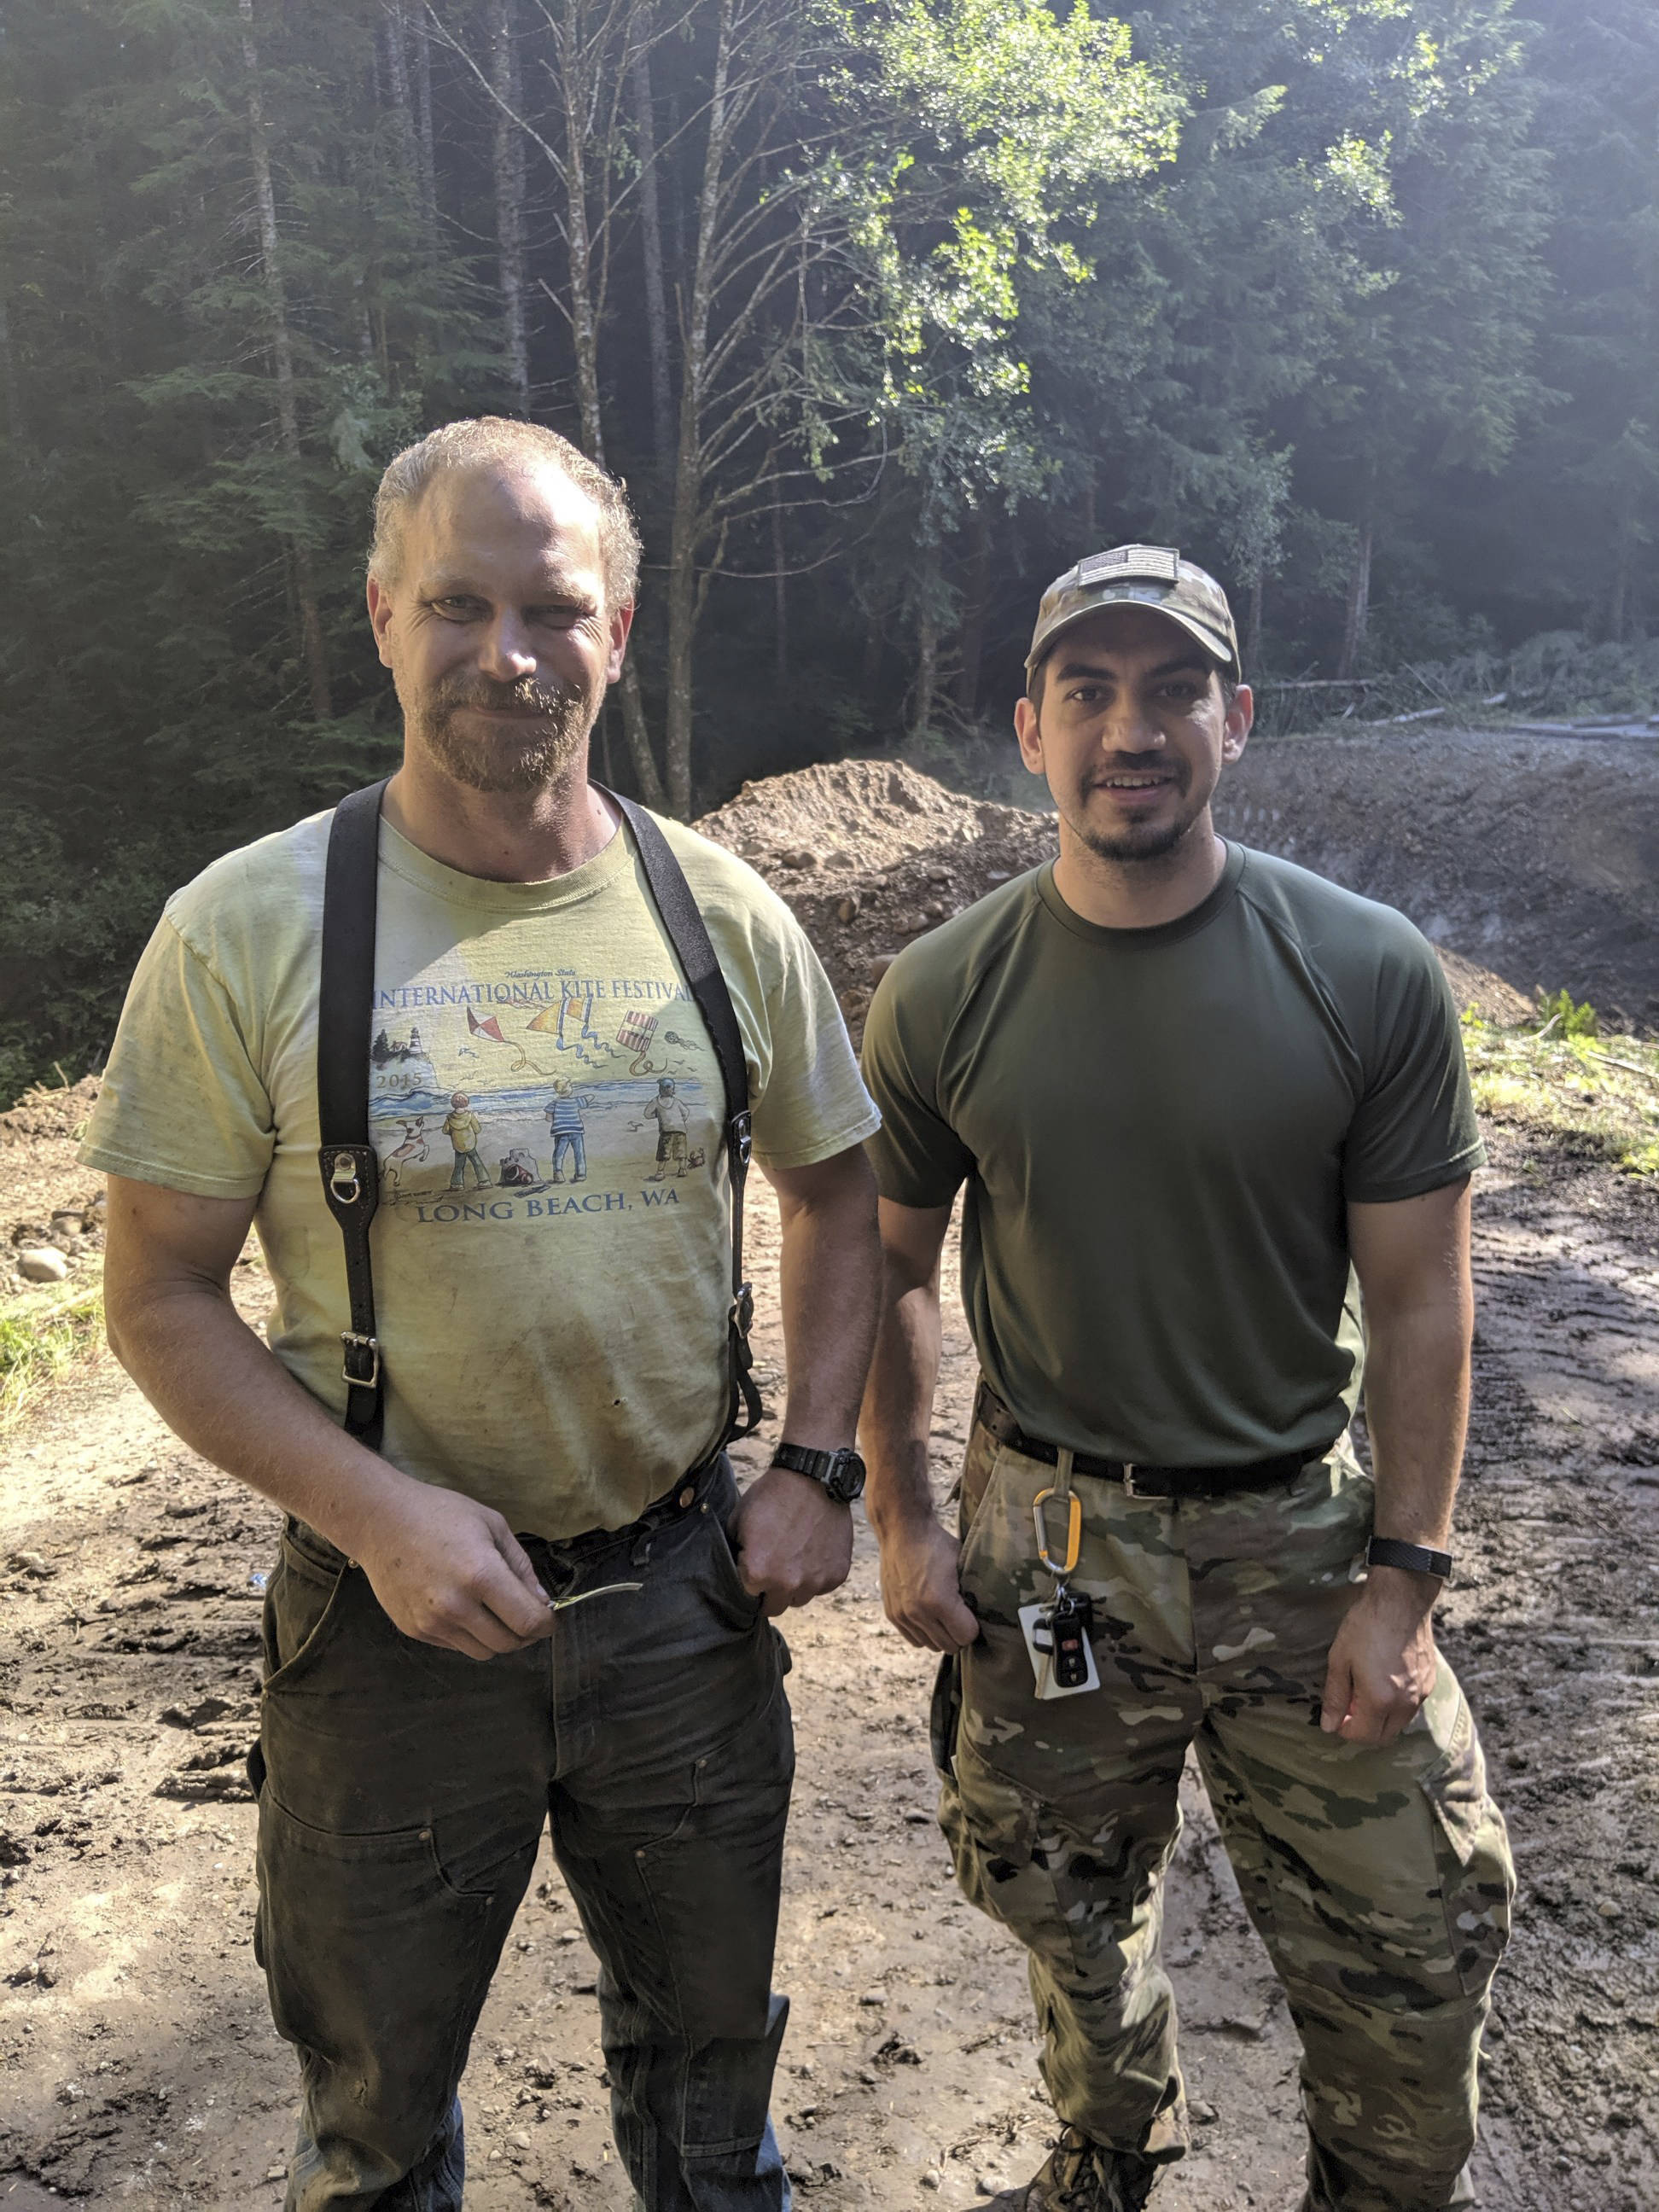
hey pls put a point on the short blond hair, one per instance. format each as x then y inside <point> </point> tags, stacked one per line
<point>483,438</point>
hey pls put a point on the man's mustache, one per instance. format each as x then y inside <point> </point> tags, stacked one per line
<point>527,696</point>
<point>1139,764</point>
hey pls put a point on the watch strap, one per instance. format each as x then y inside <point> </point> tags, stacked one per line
<point>800,1460</point>
<point>1412,1558</point>
<point>840,1473</point>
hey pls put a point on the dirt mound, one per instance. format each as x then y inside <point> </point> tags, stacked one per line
<point>1491,997</point>
<point>1537,857</point>
<point>870,853</point>
<point>48,1112</point>
<point>41,1183</point>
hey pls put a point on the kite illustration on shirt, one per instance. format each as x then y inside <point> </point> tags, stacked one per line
<point>546,1021</point>
<point>490,1028</point>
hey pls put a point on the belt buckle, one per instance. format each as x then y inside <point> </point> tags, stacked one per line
<point>1131,1488</point>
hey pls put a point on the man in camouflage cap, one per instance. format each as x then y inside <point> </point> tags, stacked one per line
<point>1193,1094</point>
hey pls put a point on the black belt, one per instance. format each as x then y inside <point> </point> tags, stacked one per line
<point>673,1505</point>
<point>1138,1480</point>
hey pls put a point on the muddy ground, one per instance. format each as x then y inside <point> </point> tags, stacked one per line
<point>139,2068</point>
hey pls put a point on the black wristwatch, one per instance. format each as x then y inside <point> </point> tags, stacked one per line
<point>1412,1558</point>
<point>841,1473</point>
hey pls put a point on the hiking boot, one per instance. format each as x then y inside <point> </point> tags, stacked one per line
<point>1081,2176</point>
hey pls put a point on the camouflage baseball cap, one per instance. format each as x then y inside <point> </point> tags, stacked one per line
<point>1139,576</point>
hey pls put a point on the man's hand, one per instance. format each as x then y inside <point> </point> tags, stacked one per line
<point>919,1590</point>
<point>451,1572</point>
<point>793,1541</point>
<point>1382,1663</point>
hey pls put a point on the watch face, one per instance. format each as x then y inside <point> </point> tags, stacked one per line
<point>846,1478</point>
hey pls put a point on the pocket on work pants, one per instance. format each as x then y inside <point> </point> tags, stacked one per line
<point>377,1964</point>
<point>1477,1883</point>
<point>1385,1867</point>
<point>944,1714</point>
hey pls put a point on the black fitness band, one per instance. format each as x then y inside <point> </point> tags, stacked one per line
<point>1414,1558</point>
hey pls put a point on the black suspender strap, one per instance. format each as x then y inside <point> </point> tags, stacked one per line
<point>345,1006</point>
<point>689,936</point>
<point>351,1167</point>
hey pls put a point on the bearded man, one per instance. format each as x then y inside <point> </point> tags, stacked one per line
<point>540,1595</point>
<point>1201,1101</point>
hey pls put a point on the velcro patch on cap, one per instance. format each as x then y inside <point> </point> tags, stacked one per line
<point>1159,563</point>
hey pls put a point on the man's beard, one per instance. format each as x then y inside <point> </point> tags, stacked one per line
<point>530,754</point>
<point>1148,841</point>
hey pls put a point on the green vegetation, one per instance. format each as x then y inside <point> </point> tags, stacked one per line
<point>1599,1097</point>
<point>885,308</point>
<point>42,1334</point>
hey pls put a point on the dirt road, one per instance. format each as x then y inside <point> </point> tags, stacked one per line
<point>137,2067</point>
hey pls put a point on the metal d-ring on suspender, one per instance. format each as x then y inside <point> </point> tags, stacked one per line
<point>350,1165</point>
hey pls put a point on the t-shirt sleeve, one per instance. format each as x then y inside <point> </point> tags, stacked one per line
<point>812,1102</point>
<point>1415,1128</point>
<point>181,1103</point>
<point>917,1158</point>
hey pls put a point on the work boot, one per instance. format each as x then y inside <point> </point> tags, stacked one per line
<point>1081,2176</point>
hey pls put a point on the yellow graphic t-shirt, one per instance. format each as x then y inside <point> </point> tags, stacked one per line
<point>552,1253</point>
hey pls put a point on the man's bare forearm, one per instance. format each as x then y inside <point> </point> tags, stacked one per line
<point>229,1398</point>
<point>829,1275</point>
<point>1417,1407</point>
<point>898,1404</point>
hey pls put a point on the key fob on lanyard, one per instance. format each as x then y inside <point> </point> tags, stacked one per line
<point>1070,1623</point>
<point>1063,1624</point>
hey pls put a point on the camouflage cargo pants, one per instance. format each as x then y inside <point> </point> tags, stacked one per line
<point>1380,1880</point>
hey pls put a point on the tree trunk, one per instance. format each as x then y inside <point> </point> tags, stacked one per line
<point>9,381</point>
<point>1624,549</point>
<point>656,294</point>
<point>403,106</point>
<point>637,730</point>
<point>870,673</point>
<point>424,139</point>
<point>585,343</point>
<point>281,345</point>
<point>509,197</point>
<point>1252,629</point>
<point>583,320</point>
<point>973,623</point>
<point>1360,605</point>
<point>926,683</point>
<point>686,526</point>
<point>926,672</point>
<point>779,611</point>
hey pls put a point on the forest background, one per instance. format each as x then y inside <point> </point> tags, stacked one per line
<point>885,309</point>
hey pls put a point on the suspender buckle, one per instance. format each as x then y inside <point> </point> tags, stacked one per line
<point>343,1182</point>
<point>362,1359</point>
<point>740,1136</point>
<point>742,1310</point>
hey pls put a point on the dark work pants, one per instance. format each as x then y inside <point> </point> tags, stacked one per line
<point>404,1791</point>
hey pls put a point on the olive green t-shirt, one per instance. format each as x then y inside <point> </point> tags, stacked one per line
<point>550,1290</point>
<point>1158,1131</point>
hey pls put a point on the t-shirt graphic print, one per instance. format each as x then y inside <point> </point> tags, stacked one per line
<point>560,1080</point>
